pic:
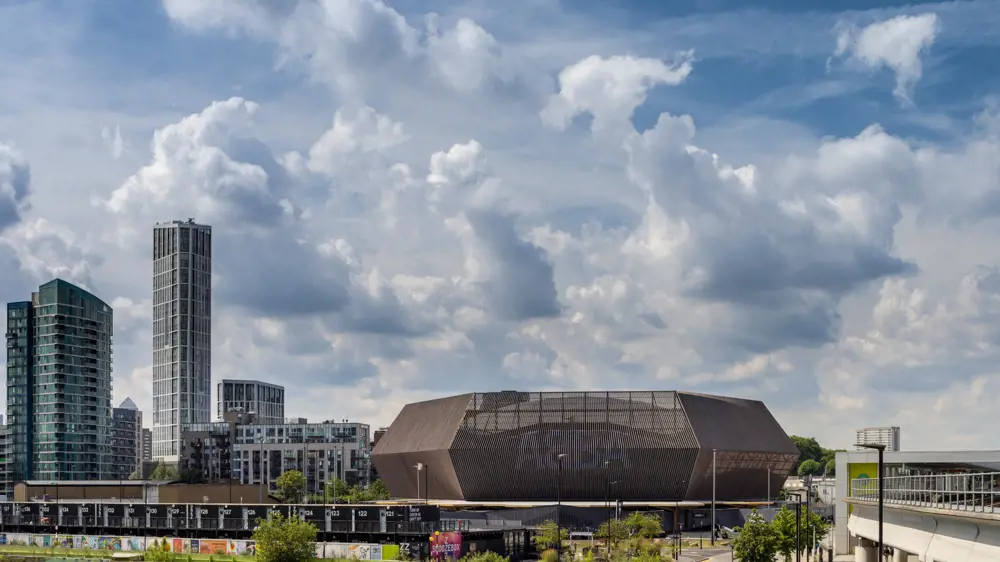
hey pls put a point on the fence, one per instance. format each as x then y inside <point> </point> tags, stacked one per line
<point>978,492</point>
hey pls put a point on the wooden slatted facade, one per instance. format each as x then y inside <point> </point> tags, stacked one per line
<point>627,445</point>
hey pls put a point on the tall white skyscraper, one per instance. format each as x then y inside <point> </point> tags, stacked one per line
<point>182,332</point>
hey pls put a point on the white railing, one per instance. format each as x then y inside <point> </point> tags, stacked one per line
<point>978,492</point>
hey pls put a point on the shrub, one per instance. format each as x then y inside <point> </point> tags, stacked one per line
<point>488,556</point>
<point>550,555</point>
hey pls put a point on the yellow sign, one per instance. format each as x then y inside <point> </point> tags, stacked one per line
<point>859,470</point>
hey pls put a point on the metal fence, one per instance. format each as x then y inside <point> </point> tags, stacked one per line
<point>979,492</point>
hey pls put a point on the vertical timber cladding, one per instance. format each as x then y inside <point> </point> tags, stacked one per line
<point>626,445</point>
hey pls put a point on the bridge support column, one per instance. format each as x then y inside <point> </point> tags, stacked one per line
<point>900,556</point>
<point>865,552</point>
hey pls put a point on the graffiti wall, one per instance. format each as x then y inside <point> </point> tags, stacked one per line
<point>358,551</point>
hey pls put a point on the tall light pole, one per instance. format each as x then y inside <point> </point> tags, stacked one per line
<point>769,486</point>
<point>713,496</point>
<point>559,508</point>
<point>881,490</point>
<point>607,504</point>
<point>419,466</point>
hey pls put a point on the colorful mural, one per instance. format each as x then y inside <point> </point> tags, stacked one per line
<point>860,470</point>
<point>358,551</point>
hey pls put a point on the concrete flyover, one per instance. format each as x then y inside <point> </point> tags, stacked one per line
<point>928,534</point>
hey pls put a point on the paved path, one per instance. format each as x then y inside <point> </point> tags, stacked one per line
<point>698,555</point>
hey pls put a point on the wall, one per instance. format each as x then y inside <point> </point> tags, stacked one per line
<point>359,551</point>
<point>931,536</point>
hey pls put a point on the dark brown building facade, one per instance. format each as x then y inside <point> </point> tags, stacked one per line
<point>584,446</point>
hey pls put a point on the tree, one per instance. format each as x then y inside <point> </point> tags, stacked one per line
<point>784,528</point>
<point>164,471</point>
<point>643,525</point>
<point>809,468</point>
<point>831,467</point>
<point>291,486</point>
<point>813,527</point>
<point>614,529</point>
<point>757,541</point>
<point>809,449</point>
<point>338,490</point>
<point>285,540</point>
<point>549,535</point>
<point>378,491</point>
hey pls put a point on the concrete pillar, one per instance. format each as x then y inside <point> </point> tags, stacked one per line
<point>865,552</point>
<point>900,556</point>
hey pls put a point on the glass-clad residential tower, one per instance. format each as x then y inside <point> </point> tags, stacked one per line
<point>182,332</point>
<point>59,385</point>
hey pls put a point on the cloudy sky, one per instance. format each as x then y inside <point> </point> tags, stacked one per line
<point>415,199</point>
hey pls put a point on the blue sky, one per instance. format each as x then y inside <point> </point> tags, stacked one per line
<point>702,195</point>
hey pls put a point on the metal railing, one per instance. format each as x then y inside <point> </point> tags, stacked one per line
<point>978,492</point>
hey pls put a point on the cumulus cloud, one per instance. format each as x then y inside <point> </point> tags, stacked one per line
<point>15,184</point>
<point>434,223</point>
<point>896,44</point>
<point>610,89</point>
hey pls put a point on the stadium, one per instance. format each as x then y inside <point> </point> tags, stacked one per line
<point>584,446</point>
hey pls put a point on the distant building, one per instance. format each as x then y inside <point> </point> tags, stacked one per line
<point>265,400</point>
<point>295,421</point>
<point>182,332</point>
<point>147,445</point>
<point>59,385</point>
<point>888,436</point>
<point>126,439</point>
<point>250,452</point>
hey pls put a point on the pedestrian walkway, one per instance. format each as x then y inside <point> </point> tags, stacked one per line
<point>726,557</point>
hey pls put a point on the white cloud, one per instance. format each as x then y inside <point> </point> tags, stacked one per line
<point>405,210</point>
<point>896,44</point>
<point>610,88</point>
<point>113,141</point>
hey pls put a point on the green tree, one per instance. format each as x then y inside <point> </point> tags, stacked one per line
<point>757,541</point>
<point>614,529</point>
<point>809,467</point>
<point>644,525</point>
<point>814,527</point>
<point>831,467</point>
<point>378,491</point>
<point>809,449</point>
<point>784,528</point>
<point>291,486</point>
<point>338,490</point>
<point>549,535</point>
<point>164,471</point>
<point>285,540</point>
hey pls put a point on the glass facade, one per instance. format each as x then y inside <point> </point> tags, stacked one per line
<point>182,332</point>
<point>59,365</point>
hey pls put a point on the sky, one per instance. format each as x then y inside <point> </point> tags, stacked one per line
<point>767,199</point>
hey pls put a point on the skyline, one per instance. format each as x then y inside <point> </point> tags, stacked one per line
<point>552,197</point>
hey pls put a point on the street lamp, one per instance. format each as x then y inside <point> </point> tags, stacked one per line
<point>421,467</point>
<point>713,496</point>
<point>559,507</point>
<point>881,491</point>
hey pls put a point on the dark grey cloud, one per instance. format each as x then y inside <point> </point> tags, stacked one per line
<point>273,273</point>
<point>521,285</point>
<point>15,185</point>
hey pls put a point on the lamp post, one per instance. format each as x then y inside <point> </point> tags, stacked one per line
<point>881,491</point>
<point>419,466</point>
<point>607,504</point>
<point>808,482</point>
<point>559,507</point>
<point>713,496</point>
<point>769,486</point>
